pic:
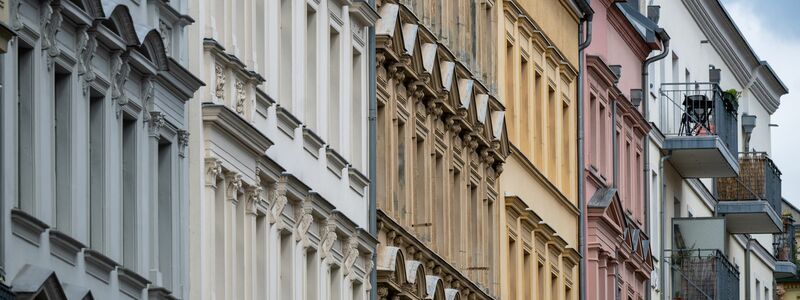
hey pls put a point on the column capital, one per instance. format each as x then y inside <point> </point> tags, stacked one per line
<point>213,169</point>
<point>233,186</point>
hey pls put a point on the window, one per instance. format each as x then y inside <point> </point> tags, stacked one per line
<point>524,101</point>
<point>758,289</point>
<point>474,229</point>
<point>334,284</point>
<point>97,175</point>
<point>285,64</point>
<point>334,63</point>
<point>551,130</point>
<point>312,273</point>
<point>527,266</point>
<point>262,275</point>
<point>540,278</point>
<point>538,118</point>
<point>512,269</point>
<point>310,118</point>
<point>400,192</point>
<point>676,208</point>
<point>129,191</point>
<point>357,111</point>
<point>286,260</point>
<point>509,100</point>
<point>420,209</point>
<point>455,217</point>
<point>165,209</point>
<point>358,293</point>
<point>438,220</point>
<point>566,138</point>
<point>25,125</point>
<point>62,148</point>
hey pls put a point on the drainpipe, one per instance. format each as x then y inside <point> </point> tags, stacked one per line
<point>664,37</point>
<point>747,269</point>
<point>585,21</point>
<point>662,220</point>
<point>373,122</point>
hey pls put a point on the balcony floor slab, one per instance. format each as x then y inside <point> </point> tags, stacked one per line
<point>701,156</point>
<point>749,216</point>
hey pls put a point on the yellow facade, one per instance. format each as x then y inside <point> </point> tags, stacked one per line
<point>537,79</point>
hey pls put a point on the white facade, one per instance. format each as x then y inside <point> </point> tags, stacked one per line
<point>278,151</point>
<point>704,36</point>
<point>93,149</point>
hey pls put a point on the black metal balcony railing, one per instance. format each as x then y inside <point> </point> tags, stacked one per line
<point>703,274</point>
<point>697,109</point>
<point>759,179</point>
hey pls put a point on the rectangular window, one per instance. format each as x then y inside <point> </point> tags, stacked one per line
<point>455,218</point>
<point>551,131</point>
<point>566,143</point>
<point>165,209</point>
<point>261,56</point>
<point>25,125</point>
<point>62,148</point>
<point>383,154</point>
<point>400,192</point>
<point>262,275</point>
<point>96,170</point>
<point>358,293</point>
<point>438,206</point>
<point>538,118</point>
<point>509,100</point>
<point>527,268</point>
<point>334,66</point>
<point>335,283</point>
<point>554,287</point>
<point>285,63</point>
<point>311,69</point>
<point>312,273</point>
<point>474,230</point>
<point>129,191</point>
<point>420,209</point>
<point>540,278</point>
<point>286,274</point>
<point>592,139</point>
<point>524,101</point>
<point>512,269</point>
<point>357,112</point>
<point>219,238</point>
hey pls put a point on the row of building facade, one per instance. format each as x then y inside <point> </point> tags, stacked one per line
<point>387,149</point>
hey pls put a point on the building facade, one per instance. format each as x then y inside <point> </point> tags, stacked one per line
<point>441,147</point>
<point>537,54</point>
<point>278,150</point>
<point>94,138</point>
<point>618,259</point>
<point>714,192</point>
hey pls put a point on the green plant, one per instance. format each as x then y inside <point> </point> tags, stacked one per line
<point>731,99</point>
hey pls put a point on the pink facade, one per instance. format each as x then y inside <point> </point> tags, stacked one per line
<point>619,261</point>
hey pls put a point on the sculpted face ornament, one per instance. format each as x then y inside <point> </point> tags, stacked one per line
<point>219,87</point>
<point>87,45</point>
<point>241,97</point>
<point>279,201</point>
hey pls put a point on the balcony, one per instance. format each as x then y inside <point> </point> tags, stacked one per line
<point>699,129</point>
<point>751,202</point>
<point>702,274</point>
<point>784,250</point>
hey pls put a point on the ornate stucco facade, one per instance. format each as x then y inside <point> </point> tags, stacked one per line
<point>94,140</point>
<point>618,259</point>
<point>441,146</point>
<point>537,77</point>
<point>278,150</point>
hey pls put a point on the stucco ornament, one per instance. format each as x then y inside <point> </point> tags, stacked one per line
<point>328,240</point>
<point>241,96</point>
<point>252,198</point>
<point>213,169</point>
<point>16,17</point>
<point>87,44</point>
<point>51,24</point>
<point>119,70</point>
<point>302,227</point>
<point>166,35</point>
<point>219,84</point>
<point>155,123</point>
<point>350,258</point>
<point>234,186</point>
<point>279,201</point>
<point>149,93</point>
<point>183,141</point>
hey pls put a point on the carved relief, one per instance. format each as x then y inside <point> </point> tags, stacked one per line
<point>155,123</point>
<point>213,169</point>
<point>51,25</point>
<point>234,186</point>
<point>119,72</point>
<point>148,94</point>
<point>87,44</point>
<point>279,202</point>
<point>351,256</point>
<point>328,239</point>
<point>183,142</point>
<point>219,88</point>
<point>241,96</point>
<point>302,227</point>
<point>166,35</point>
<point>252,197</point>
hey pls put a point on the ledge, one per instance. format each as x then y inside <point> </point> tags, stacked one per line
<point>130,282</point>
<point>232,123</point>
<point>287,122</point>
<point>335,161</point>
<point>312,142</point>
<point>99,265</point>
<point>784,269</point>
<point>158,293</point>
<point>27,227</point>
<point>358,181</point>
<point>65,247</point>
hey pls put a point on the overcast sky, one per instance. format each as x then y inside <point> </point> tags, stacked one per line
<point>773,30</point>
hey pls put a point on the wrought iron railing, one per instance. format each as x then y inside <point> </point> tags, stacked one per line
<point>702,274</point>
<point>759,179</point>
<point>697,109</point>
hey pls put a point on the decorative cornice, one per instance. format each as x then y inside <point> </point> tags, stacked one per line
<point>64,246</point>
<point>312,142</point>
<point>98,265</point>
<point>130,282</point>
<point>287,122</point>
<point>233,124</point>
<point>358,181</point>
<point>336,162</point>
<point>27,227</point>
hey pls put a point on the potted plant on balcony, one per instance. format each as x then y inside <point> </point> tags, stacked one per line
<point>731,100</point>
<point>677,296</point>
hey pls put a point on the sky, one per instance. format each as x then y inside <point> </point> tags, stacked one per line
<point>773,30</point>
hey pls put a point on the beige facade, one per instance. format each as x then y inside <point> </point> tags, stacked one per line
<point>537,72</point>
<point>441,145</point>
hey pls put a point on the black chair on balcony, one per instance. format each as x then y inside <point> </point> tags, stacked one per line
<point>696,115</point>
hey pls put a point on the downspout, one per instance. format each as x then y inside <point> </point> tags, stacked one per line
<point>664,37</point>
<point>662,220</point>
<point>585,21</point>
<point>747,269</point>
<point>373,122</point>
